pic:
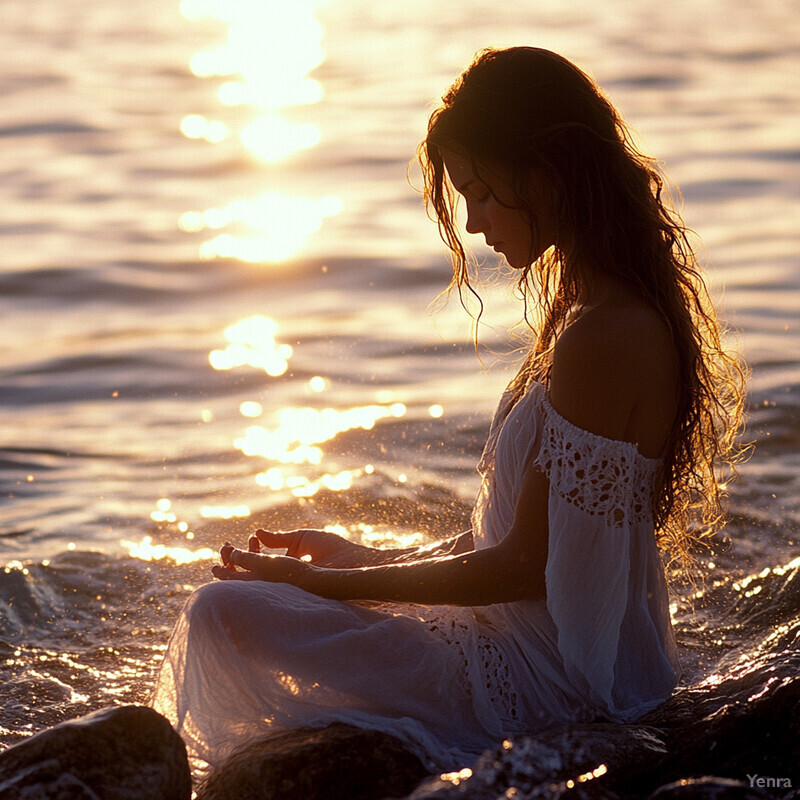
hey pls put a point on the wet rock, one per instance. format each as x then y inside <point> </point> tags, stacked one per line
<point>122,753</point>
<point>339,762</point>
<point>576,762</point>
<point>746,723</point>
<point>708,788</point>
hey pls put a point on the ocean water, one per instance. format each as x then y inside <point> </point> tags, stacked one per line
<point>216,282</point>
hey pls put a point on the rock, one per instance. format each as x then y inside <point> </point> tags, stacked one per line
<point>580,761</point>
<point>121,753</point>
<point>708,788</point>
<point>339,762</point>
<point>747,723</point>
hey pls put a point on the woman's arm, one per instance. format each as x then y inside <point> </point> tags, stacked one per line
<point>328,549</point>
<point>511,570</point>
<point>455,545</point>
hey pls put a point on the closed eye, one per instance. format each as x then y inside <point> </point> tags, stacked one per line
<point>475,190</point>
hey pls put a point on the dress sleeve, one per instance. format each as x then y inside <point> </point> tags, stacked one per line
<point>605,585</point>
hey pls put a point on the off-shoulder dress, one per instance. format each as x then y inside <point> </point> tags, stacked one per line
<point>248,659</point>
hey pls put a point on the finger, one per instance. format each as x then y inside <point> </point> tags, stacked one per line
<point>245,559</point>
<point>226,574</point>
<point>222,573</point>
<point>225,556</point>
<point>253,544</point>
<point>287,542</point>
<point>272,538</point>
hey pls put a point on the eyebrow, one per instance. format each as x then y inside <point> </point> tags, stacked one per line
<point>467,184</point>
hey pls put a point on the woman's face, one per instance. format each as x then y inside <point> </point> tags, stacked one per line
<point>492,211</point>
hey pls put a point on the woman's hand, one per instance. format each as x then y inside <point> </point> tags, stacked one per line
<point>321,548</point>
<point>247,565</point>
<point>303,547</point>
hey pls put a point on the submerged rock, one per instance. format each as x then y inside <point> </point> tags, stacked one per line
<point>122,753</point>
<point>339,762</point>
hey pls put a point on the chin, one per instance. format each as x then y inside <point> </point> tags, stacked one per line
<point>521,262</point>
<point>516,263</point>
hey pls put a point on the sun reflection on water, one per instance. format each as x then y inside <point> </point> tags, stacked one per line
<point>147,551</point>
<point>279,223</point>
<point>224,512</point>
<point>272,47</point>
<point>270,51</point>
<point>301,486</point>
<point>252,343</point>
<point>272,138</point>
<point>300,430</point>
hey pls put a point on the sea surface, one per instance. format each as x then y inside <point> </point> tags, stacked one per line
<point>216,280</point>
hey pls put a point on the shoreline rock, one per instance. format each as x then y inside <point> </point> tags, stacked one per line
<point>119,753</point>
<point>339,762</point>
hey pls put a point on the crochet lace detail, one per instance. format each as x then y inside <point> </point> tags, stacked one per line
<point>492,668</point>
<point>600,476</point>
<point>497,678</point>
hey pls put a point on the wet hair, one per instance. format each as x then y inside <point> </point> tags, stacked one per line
<point>535,116</point>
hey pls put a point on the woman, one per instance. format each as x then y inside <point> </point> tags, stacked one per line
<point>553,609</point>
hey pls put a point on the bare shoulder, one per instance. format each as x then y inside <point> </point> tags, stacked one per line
<point>622,336</point>
<point>614,373</point>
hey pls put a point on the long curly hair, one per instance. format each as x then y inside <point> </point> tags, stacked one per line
<point>538,117</point>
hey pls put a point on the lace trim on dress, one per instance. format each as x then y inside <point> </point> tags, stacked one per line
<point>498,679</point>
<point>600,476</point>
<point>493,667</point>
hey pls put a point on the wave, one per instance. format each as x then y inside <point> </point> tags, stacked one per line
<point>144,283</point>
<point>58,127</point>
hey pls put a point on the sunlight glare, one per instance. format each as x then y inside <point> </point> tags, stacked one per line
<point>300,430</point>
<point>163,511</point>
<point>224,512</point>
<point>272,46</point>
<point>196,126</point>
<point>457,777</point>
<point>272,138</point>
<point>250,408</point>
<point>270,51</point>
<point>271,478</point>
<point>392,538</point>
<point>367,534</point>
<point>252,343</point>
<point>147,551</point>
<point>282,225</point>
<point>340,482</point>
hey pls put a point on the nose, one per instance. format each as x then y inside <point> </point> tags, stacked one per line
<point>476,221</point>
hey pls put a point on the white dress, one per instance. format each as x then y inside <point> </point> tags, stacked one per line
<point>248,659</point>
